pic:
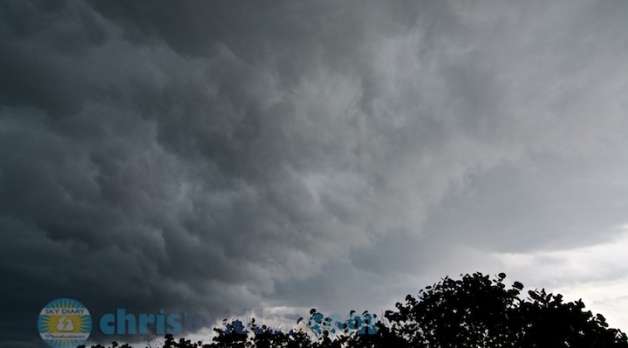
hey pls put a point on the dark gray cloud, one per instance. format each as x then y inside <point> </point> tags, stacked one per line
<point>219,156</point>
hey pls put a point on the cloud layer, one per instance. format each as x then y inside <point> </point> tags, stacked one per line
<point>218,155</point>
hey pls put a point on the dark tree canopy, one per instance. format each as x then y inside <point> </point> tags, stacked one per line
<point>474,311</point>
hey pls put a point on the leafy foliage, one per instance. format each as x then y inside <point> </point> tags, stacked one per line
<point>474,311</point>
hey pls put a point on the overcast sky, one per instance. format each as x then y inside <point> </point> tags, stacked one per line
<point>282,155</point>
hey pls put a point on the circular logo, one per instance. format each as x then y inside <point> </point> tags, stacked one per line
<point>64,323</point>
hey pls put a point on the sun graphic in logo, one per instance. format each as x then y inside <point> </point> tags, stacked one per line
<point>64,323</point>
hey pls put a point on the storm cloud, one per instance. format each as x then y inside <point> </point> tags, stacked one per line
<point>222,156</point>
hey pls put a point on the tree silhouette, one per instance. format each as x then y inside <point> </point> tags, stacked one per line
<point>474,311</point>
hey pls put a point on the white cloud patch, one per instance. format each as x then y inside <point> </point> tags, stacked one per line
<point>596,274</point>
